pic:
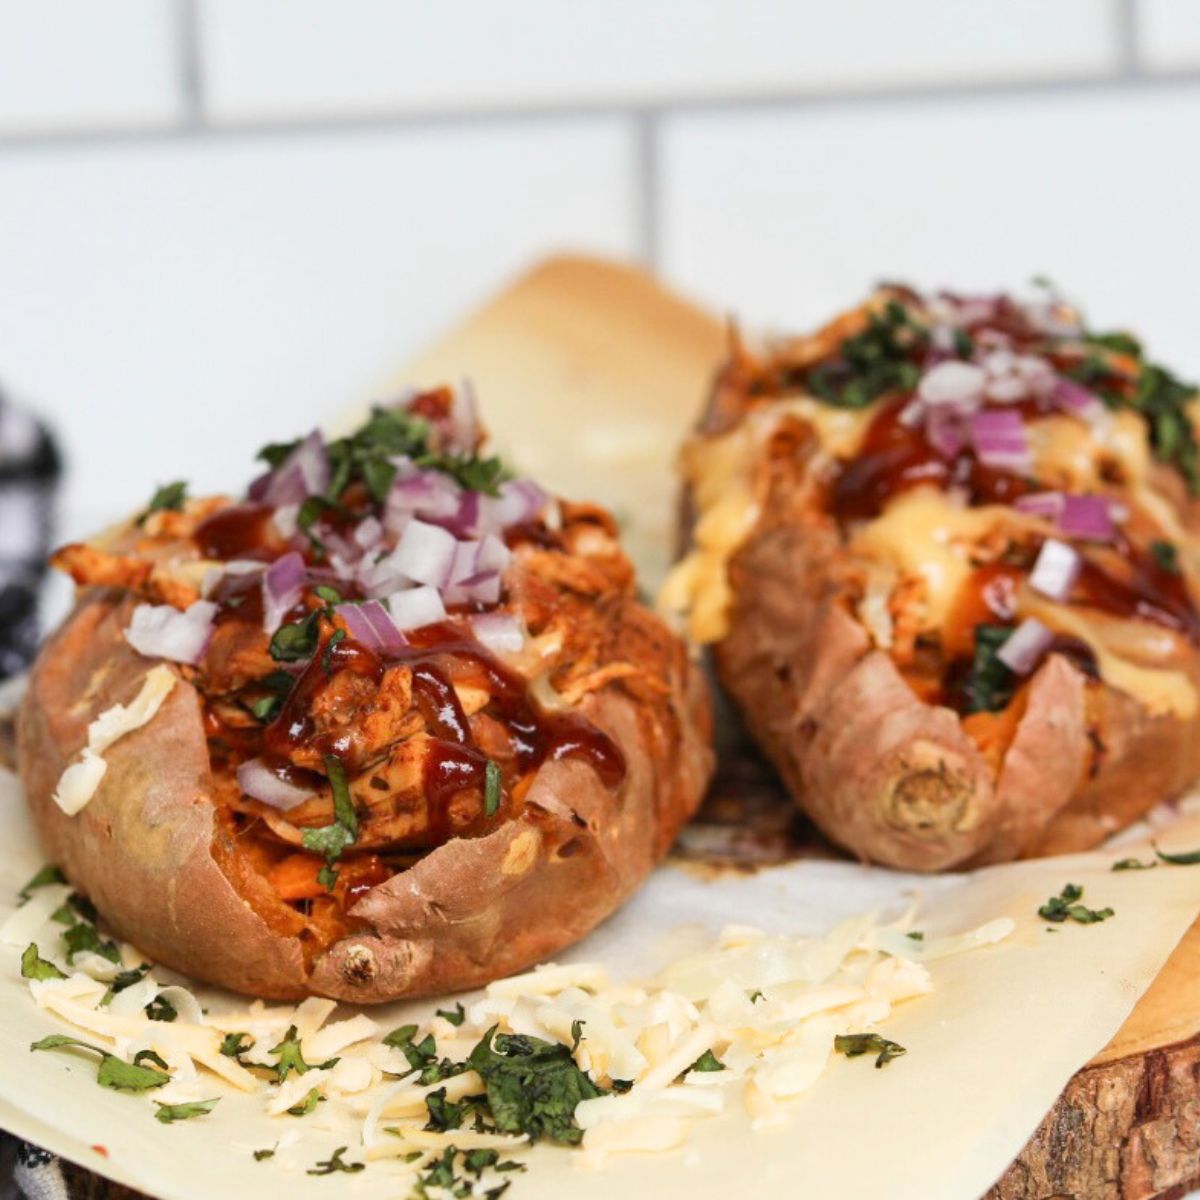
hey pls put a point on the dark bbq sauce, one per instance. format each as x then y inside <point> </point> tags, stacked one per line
<point>1149,594</point>
<point>454,762</point>
<point>239,531</point>
<point>896,456</point>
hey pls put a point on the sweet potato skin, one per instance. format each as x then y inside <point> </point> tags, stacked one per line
<point>468,912</point>
<point>896,780</point>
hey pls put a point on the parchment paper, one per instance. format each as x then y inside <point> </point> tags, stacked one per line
<point>988,1052</point>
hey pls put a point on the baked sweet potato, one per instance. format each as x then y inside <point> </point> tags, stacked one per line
<point>421,733</point>
<point>944,551</point>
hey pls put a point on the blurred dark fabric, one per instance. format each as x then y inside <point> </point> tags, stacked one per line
<point>30,469</point>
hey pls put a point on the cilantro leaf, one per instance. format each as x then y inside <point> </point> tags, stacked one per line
<point>184,1112</point>
<point>1132,864</point>
<point>161,1009</point>
<point>1188,859</point>
<point>47,875</point>
<point>532,1086</point>
<point>332,840</point>
<point>990,685</point>
<point>169,496</point>
<point>708,1061</point>
<point>33,966</point>
<point>114,1072</point>
<point>335,1163</point>
<point>492,787</point>
<point>308,1105</point>
<point>290,1057</point>
<point>854,1044</point>
<point>1063,907</point>
<point>295,640</point>
<point>456,1016</point>
<point>83,937</point>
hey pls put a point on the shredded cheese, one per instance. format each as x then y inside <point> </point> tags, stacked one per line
<point>80,781</point>
<point>750,1018</point>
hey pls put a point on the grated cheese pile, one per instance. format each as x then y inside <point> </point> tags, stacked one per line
<point>750,1020</point>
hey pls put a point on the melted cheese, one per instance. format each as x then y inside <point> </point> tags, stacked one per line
<point>924,535</point>
<point>721,473</point>
<point>1161,691</point>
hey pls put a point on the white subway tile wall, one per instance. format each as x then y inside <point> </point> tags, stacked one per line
<point>78,64</point>
<point>272,59</point>
<point>984,192</point>
<point>221,220</point>
<point>1169,34</point>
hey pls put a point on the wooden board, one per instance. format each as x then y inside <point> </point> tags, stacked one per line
<point>579,345</point>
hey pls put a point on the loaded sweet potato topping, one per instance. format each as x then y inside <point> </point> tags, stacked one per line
<point>388,634</point>
<point>986,483</point>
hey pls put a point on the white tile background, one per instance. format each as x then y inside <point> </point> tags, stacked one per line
<point>221,220</point>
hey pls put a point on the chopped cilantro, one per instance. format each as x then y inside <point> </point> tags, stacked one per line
<point>878,360</point>
<point>327,656</point>
<point>1064,906</point>
<point>532,1086</point>
<point>33,966</point>
<point>444,1114</point>
<point>161,1009</point>
<point>184,1112</point>
<point>114,1072</point>
<point>917,935</point>
<point>1188,859</point>
<point>854,1044</point>
<point>332,840</point>
<point>308,1105</point>
<point>327,877</point>
<point>278,686</point>
<point>708,1061</point>
<point>290,1057</point>
<point>169,496</point>
<point>83,937</point>
<point>295,640</point>
<point>47,875</point>
<point>491,788</point>
<point>456,1015</point>
<point>335,1163</point>
<point>1132,864</point>
<point>990,685</point>
<point>263,1155</point>
<point>1166,556</point>
<point>234,1045</point>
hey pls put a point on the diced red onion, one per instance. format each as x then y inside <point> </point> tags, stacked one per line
<point>161,631</point>
<point>946,433</point>
<point>1048,505</point>
<point>282,585</point>
<point>368,533</point>
<point>999,439</point>
<point>953,384</point>
<point>304,473</point>
<point>499,632</point>
<point>1026,646</point>
<point>370,625</point>
<point>415,607</point>
<point>1056,569</point>
<point>258,781</point>
<point>1087,517</point>
<point>425,553</point>
<point>235,566</point>
<point>1073,398</point>
<point>520,500</point>
<point>285,519</point>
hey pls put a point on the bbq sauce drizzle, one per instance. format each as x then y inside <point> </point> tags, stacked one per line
<point>454,762</point>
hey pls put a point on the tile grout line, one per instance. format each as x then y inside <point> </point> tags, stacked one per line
<point>188,50</point>
<point>647,183</point>
<point>1128,44</point>
<point>732,103</point>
